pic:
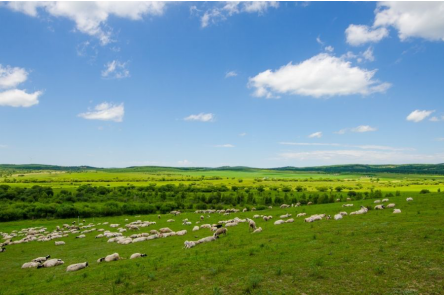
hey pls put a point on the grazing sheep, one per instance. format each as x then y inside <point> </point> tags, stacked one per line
<point>362,210</point>
<point>385,200</point>
<point>207,239</point>
<point>2,249</point>
<point>348,199</point>
<point>31,265</point>
<point>409,199</point>
<point>285,216</point>
<point>230,224</point>
<point>59,243</point>
<point>189,244</point>
<point>202,217</point>
<point>284,206</point>
<point>99,236</point>
<point>343,213</point>
<point>278,222</point>
<point>220,231</point>
<point>196,228</point>
<point>77,266</point>
<point>165,230</point>
<point>265,218</point>
<point>252,225</point>
<point>187,223</point>
<point>377,201</point>
<point>53,262</point>
<point>289,220</point>
<point>397,211</point>
<point>347,205</point>
<point>41,259</point>
<point>170,220</point>
<point>159,216</point>
<point>338,217</point>
<point>137,255</point>
<point>301,215</point>
<point>379,207</point>
<point>206,226</point>
<point>81,236</point>
<point>309,203</point>
<point>181,232</point>
<point>391,205</point>
<point>259,229</point>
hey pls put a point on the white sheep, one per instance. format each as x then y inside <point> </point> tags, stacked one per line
<point>189,244</point>
<point>391,205</point>
<point>207,239</point>
<point>397,211</point>
<point>338,217</point>
<point>137,255</point>
<point>53,262</point>
<point>278,222</point>
<point>409,199</point>
<point>41,259</point>
<point>31,265</point>
<point>259,229</point>
<point>170,220</point>
<point>181,232</point>
<point>165,230</point>
<point>81,236</point>
<point>289,220</point>
<point>59,243</point>
<point>379,207</point>
<point>77,266</point>
<point>377,201</point>
<point>385,200</point>
<point>196,228</point>
<point>301,215</point>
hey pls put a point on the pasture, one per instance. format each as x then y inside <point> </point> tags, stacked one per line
<point>375,253</point>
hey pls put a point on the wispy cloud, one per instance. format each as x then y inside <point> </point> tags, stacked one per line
<point>242,134</point>
<point>225,146</point>
<point>316,135</point>
<point>204,117</point>
<point>116,70</point>
<point>358,129</point>
<point>366,147</point>
<point>105,111</point>
<point>419,115</point>
<point>231,74</point>
<point>184,162</point>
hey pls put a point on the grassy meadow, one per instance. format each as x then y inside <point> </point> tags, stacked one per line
<point>375,253</point>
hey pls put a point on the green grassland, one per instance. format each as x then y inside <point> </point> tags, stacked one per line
<point>375,253</point>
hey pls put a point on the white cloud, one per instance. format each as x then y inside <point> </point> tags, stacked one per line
<point>19,98</point>
<point>358,129</point>
<point>436,119</point>
<point>419,115</point>
<point>184,162</point>
<point>231,74</point>
<point>363,129</point>
<point>319,41</point>
<point>423,19</point>
<point>361,156</point>
<point>375,147</point>
<point>321,75</point>
<point>105,111</point>
<point>225,146</point>
<point>115,69</point>
<point>205,117</point>
<point>243,134</point>
<point>360,34</point>
<point>221,13</point>
<point>329,48</point>
<point>91,17</point>
<point>12,76</point>
<point>316,135</point>
<point>369,54</point>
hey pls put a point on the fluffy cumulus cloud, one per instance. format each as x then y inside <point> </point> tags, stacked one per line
<point>10,78</point>
<point>222,12</point>
<point>316,135</point>
<point>363,129</point>
<point>91,17</point>
<point>105,111</point>
<point>361,34</point>
<point>418,19</point>
<point>323,75</point>
<point>419,115</point>
<point>360,156</point>
<point>225,146</point>
<point>116,70</point>
<point>423,19</point>
<point>204,117</point>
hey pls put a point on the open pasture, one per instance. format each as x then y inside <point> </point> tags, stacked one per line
<point>375,253</point>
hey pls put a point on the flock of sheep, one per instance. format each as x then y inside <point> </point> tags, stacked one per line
<point>41,234</point>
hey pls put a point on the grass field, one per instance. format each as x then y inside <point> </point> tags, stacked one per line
<point>375,253</point>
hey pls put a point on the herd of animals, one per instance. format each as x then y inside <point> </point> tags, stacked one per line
<point>40,234</point>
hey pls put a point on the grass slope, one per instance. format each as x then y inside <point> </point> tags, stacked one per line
<point>376,253</point>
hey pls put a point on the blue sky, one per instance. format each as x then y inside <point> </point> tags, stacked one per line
<point>261,84</point>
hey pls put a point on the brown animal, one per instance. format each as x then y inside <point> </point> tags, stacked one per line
<point>220,231</point>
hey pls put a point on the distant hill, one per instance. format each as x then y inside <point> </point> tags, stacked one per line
<point>437,169</point>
